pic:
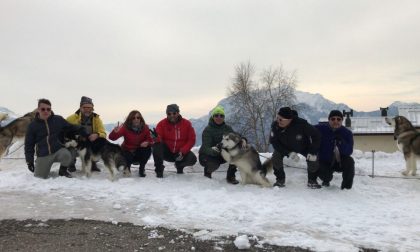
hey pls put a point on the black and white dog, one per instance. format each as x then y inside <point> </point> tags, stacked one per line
<point>246,159</point>
<point>100,149</point>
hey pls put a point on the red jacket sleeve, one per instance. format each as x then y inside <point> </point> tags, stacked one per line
<point>115,135</point>
<point>191,138</point>
<point>148,136</point>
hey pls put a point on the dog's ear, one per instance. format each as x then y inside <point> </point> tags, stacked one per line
<point>80,138</point>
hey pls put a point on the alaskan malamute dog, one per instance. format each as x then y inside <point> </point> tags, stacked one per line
<point>408,141</point>
<point>111,154</point>
<point>246,159</point>
<point>14,131</point>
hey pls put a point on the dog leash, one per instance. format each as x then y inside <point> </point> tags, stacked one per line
<point>8,154</point>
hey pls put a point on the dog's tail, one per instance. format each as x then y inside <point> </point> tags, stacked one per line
<point>268,165</point>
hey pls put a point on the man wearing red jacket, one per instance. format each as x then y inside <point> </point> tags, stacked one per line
<point>174,138</point>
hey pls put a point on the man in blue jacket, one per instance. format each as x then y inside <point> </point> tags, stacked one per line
<point>45,136</point>
<point>336,148</point>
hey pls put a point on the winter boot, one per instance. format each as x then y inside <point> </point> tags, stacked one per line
<point>95,168</point>
<point>159,171</point>
<point>72,168</point>
<point>141,172</point>
<point>345,186</point>
<point>180,170</point>
<point>230,177</point>
<point>279,183</point>
<point>63,172</point>
<point>207,173</point>
<point>313,184</point>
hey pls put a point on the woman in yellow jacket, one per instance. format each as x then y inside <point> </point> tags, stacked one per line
<point>93,125</point>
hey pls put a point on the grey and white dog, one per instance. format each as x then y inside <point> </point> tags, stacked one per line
<point>246,159</point>
<point>408,141</point>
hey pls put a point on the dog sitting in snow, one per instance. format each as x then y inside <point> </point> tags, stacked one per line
<point>246,159</point>
<point>101,148</point>
<point>408,142</point>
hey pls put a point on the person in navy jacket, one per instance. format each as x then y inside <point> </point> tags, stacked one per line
<point>45,139</point>
<point>336,148</point>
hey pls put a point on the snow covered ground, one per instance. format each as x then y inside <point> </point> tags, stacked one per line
<point>380,212</point>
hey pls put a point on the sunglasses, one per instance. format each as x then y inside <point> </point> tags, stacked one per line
<point>219,116</point>
<point>45,109</point>
<point>338,119</point>
<point>137,117</point>
<point>171,113</point>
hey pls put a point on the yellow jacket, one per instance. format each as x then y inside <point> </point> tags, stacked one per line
<point>97,125</point>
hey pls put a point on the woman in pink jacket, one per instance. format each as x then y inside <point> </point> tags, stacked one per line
<point>137,140</point>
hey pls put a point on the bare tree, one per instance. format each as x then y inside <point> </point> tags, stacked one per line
<point>255,103</point>
<point>280,87</point>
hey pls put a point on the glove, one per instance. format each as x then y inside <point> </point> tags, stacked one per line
<point>216,148</point>
<point>153,133</point>
<point>179,157</point>
<point>294,156</point>
<point>311,157</point>
<point>31,167</point>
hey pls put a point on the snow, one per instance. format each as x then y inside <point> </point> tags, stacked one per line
<point>380,212</point>
<point>242,242</point>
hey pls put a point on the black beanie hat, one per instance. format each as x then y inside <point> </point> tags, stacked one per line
<point>85,100</point>
<point>172,108</point>
<point>335,113</point>
<point>286,112</point>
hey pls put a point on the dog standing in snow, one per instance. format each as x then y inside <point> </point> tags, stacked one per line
<point>14,131</point>
<point>111,154</point>
<point>408,141</point>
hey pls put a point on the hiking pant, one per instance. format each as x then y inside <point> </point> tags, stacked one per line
<point>162,153</point>
<point>140,155</point>
<point>212,163</point>
<point>43,164</point>
<point>278,167</point>
<point>346,166</point>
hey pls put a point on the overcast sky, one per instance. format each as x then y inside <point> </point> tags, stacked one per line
<point>147,54</point>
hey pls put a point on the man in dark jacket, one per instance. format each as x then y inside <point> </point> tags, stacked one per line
<point>45,135</point>
<point>209,154</point>
<point>336,148</point>
<point>174,138</point>
<point>291,135</point>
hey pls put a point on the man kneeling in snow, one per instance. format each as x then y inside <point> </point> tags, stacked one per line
<point>336,148</point>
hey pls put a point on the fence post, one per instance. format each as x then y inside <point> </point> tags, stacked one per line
<point>373,163</point>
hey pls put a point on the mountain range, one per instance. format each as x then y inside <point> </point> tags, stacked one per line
<point>311,107</point>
